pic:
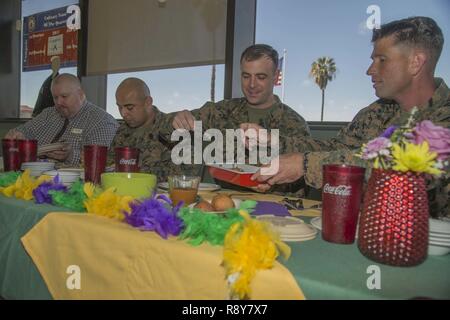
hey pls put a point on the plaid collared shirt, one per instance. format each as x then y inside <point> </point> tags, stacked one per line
<point>91,125</point>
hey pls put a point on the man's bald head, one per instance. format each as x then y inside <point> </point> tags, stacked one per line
<point>67,79</point>
<point>134,102</point>
<point>134,84</point>
<point>67,94</point>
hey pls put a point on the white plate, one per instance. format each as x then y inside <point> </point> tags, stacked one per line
<point>316,223</point>
<point>437,250</point>
<point>439,226</point>
<point>442,236</point>
<point>50,147</point>
<point>38,164</point>
<point>201,187</point>
<point>296,239</point>
<point>439,243</point>
<point>290,227</point>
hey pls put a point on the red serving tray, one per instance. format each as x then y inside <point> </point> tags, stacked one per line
<point>228,173</point>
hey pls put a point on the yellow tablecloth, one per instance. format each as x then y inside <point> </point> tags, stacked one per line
<point>117,261</point>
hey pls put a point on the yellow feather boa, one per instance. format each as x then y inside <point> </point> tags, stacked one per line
<point>249,246</point>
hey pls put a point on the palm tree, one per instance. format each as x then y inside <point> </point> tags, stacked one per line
<point>323,70</point>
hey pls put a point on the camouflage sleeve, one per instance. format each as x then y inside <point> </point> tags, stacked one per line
<point>364,126</point>
<point>155,158</point>
<point>119,140</point>
<point>165,127</point>
<point>291,124</point>
<point>211,114</point>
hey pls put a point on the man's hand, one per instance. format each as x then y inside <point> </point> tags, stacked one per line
<point>14,134</point>
<point>249,131</point>
<point>61,154</point>
<point>290,170</point>
<point>183,120</point>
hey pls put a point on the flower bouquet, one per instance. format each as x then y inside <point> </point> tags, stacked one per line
<point>393,226</point>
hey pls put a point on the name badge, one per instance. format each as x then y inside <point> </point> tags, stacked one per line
<point>76,131</point>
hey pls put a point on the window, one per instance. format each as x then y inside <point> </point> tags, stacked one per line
<point>312,29</point>
<point>31,81</point>
<point>172,89</point>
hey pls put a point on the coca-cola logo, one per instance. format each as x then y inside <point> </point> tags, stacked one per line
<point>340,190</point>
<point>129,162</point>
<point>13,149</point>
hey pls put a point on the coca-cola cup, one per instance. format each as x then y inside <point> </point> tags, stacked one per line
<point>341,200</point>
<point>28,150</point>
<point>126,159</point>
<point>11,155</point>
<point>94,162</point>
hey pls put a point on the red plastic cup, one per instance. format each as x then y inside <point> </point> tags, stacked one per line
<point>11,155</point>
<point>94,162</point>
<point>127,159</point>
<point>28,150</point>
<point>341,200</point>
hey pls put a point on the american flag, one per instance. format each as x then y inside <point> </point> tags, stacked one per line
<point>280,75</point>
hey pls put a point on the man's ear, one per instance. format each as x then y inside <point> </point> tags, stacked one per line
<point>417,62</point>
<point>149,101</point>
<point>277,75</point>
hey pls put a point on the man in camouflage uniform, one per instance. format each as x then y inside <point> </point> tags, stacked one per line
<point>140,129</point>
<point>260,108</point>
<point>404,59</point>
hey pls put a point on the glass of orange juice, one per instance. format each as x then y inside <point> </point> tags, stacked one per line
<point>183,188</point>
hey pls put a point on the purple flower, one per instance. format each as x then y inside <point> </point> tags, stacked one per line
<point>41,193</point>
<point>376,147</point>
<point>154,215</point>
<point>438,138</point>
<point>388,132</point>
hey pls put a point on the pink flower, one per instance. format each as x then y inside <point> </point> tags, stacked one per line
<point>376,147</point>
<point>438,138</point>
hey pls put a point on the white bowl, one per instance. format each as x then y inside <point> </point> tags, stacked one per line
<point>74,170</point>
<point>437,250</point>
<point>64,176</point>
<point>443,236</point>
<point>439,243</point>
<point>441,226</point>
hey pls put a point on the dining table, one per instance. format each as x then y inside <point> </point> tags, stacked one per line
<point>48,252</point>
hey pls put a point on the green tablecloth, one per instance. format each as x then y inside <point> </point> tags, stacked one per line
<point>323,270</point>
<point>332,271</point>
<point>19,277</point>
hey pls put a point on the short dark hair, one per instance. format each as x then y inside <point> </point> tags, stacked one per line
<point>421,32</point>
<point>257,51</point>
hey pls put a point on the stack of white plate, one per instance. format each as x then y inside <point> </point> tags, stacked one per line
<point>67,178</point>
<point>37,168</point>
<point>290,229</point>
<point>439,239</point>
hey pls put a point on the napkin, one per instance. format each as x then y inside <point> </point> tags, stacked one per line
<point>269,207</point>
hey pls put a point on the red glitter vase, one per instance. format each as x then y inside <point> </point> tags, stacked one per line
<point>393,226</point>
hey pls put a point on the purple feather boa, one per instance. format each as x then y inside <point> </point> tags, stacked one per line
<point>155,215</point>
<point>41,194</point>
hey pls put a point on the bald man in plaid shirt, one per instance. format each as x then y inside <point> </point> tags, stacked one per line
<point>72,120</point>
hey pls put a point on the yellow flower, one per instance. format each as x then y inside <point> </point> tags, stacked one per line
<point>108,203</point>
<point>417,158</point>
<point>24,186</point>
<point>249,246</point>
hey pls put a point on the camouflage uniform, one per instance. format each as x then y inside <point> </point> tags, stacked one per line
<point>370,123</point>
<point>229,114</point>
<point>154,156</point>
